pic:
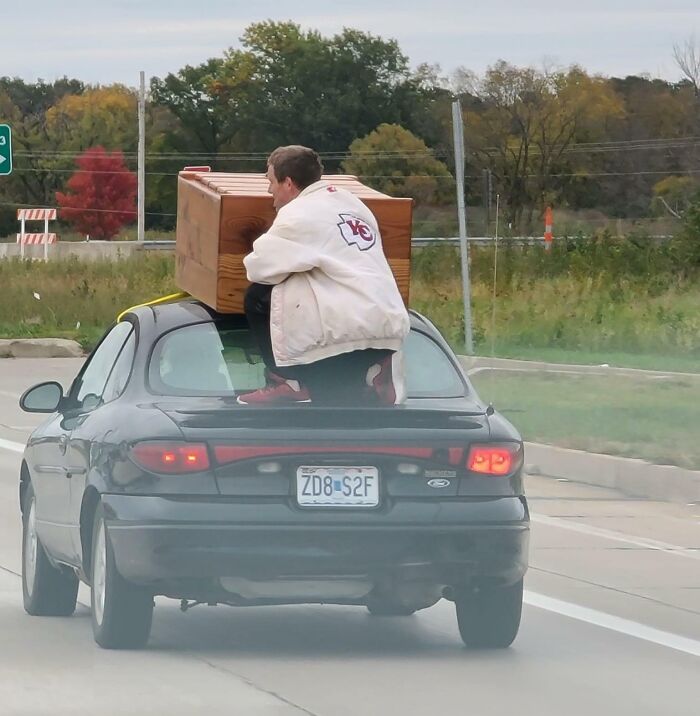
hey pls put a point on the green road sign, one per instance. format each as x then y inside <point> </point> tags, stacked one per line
<point>5,149</point>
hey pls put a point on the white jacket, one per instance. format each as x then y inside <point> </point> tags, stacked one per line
<point>334,291</point>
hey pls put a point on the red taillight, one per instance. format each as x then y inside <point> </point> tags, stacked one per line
<point>493,459</point>
<point>232,453</point>
<point>170,457</point>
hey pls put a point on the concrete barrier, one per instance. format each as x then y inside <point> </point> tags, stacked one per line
<point>39,348</point>
<point>84,250</point>
<point>631,476</point>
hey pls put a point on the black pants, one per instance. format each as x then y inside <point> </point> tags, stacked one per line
<point>340,379</point>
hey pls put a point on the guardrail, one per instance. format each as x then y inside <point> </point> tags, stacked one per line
<point>419,241</point>
<point>107,249</point>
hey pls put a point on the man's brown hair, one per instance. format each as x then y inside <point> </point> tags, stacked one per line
<point>301,164</point>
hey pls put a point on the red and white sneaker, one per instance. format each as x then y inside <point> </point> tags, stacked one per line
<point>277,390</point>
<point>380,379</point>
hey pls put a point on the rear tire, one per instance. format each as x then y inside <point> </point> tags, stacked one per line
<point>490,616</point>
<point>122,613</point>
<point>47,591</point>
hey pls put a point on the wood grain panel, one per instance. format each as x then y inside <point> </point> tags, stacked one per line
<point>401,268</point>
<point>257,184</point>
<point>199,281</point>
<point>198,219</point>
<point>232,283</point>
<point>394,217</point>
<point>244,219</point>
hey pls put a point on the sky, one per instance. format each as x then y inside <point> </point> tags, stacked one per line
<point>101,42</point>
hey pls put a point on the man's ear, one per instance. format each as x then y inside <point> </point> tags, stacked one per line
<point>291,187</point>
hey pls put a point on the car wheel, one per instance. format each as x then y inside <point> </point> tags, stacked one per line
<point>489,617</point>
<point>47,591</point>
<point>121,612</point>
<point>388,608</point>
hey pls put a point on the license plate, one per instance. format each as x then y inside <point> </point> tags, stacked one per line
<point>337,486</point>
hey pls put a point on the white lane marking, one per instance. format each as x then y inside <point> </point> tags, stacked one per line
<point>7,394</point>
<point>618,624</point>
<point>616,536</point>
<point>11,446</point>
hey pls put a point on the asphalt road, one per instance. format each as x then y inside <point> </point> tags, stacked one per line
<point>611,626</point>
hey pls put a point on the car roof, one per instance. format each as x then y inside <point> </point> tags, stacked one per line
<point>166,316</point>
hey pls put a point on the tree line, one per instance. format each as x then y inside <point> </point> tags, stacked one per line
<point>536,136</point>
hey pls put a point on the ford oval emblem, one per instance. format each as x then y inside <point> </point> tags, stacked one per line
<point>438,483</point>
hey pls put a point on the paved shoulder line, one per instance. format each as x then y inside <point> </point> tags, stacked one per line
<point>613,623</point>
<point>592,531</point>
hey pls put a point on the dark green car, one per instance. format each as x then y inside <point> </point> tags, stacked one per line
<point>148,478</point>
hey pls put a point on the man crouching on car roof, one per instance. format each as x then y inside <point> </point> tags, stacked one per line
<point>324,305</point>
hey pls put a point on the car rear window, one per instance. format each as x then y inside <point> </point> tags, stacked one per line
<point>208,359</point>
<point>429,371</point>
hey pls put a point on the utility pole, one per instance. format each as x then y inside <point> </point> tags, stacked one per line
<point>487,188</point>
<point>142,159</point>
<point>458,131</point>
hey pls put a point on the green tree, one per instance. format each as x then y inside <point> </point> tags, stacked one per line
<point>104,116</point>
<point>286,85</point>
<point>675,194</point>
<point>650,140</point>
<point>686,244</point>
<point>526,122</point>
<point>193,96</point>
<point>393,160</point>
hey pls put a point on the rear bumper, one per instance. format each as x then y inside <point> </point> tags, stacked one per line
<point>183,548</point>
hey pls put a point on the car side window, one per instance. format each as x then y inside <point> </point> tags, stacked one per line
<point>119,376</point>
<point>90,385</point>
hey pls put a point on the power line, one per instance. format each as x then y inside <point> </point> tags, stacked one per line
<point>585,175</point>
<point>580,174</point>
<point>21,205</point>
<point>579,147</point>
<point>28,170</point>
<point>257,156</point>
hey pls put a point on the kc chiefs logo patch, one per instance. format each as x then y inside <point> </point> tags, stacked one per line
<point>357,232</point>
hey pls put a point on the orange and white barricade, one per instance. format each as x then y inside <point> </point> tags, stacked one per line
<point>23,238</point>
<point>548,234</point>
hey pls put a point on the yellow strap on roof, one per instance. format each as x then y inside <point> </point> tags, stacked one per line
<point>154,302</point>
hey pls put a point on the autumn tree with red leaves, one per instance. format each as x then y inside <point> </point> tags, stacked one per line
<point>101,196</point>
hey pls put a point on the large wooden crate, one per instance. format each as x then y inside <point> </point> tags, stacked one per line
<point>220,215</point>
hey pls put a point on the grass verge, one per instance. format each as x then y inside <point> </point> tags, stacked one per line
<point>76,299</point>
<point>649,321</point>
<point>648,418</point>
